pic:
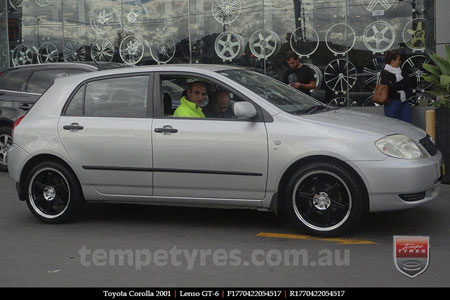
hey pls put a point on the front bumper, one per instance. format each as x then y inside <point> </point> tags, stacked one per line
<point>395,184</point>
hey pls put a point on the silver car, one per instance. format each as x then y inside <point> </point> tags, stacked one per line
<point>110,136</point>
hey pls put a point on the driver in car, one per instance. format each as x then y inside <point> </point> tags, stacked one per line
<point>190,104</point>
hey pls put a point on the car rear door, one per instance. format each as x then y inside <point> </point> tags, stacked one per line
<point>106,130</point>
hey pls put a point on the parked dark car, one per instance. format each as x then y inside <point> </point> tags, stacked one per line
<point>21,86</point>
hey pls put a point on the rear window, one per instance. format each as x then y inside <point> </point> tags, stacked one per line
<point>40,81</point>
<point>13,80</point>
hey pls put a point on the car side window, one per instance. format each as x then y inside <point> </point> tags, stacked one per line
<point>75,107</point>
<point>217,104</point>
<point>124,97</point>
<point>40,81</point>
<point>13,80</point>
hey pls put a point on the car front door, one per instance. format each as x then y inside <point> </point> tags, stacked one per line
<point>208,159</point>
<point>106,130</point>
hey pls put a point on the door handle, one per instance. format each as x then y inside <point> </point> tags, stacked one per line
<point>73,126</point>
<point>166,129</point>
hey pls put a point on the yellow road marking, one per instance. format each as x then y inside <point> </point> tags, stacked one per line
<point>339,241</point>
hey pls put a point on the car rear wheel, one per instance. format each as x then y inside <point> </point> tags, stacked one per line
<point>5,143</point>
<point>54,194</point>
<point>324,198</point>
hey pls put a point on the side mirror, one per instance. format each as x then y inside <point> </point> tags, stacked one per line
<point>244,110</point>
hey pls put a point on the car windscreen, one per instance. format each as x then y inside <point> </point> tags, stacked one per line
<point>279,94</point>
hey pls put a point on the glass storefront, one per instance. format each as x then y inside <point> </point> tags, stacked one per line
<point>343,41</point>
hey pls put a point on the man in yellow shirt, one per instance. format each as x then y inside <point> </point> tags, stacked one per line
<point>190,105</point>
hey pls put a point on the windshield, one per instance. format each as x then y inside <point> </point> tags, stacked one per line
<point>279,94</point>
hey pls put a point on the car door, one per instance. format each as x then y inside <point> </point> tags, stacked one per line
<point>106,130</point>
<point>208,158</point>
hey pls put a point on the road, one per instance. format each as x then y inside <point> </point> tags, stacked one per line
<point>148,246</point>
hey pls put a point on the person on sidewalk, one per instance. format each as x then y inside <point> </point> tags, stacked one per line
<point>393,76</point>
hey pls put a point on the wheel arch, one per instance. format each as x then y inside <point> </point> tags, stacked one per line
<point>294,166</point>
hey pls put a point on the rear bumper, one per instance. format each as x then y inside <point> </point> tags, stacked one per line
<point>17,158</point>
<point>20,192</point>
<point>395,184</point>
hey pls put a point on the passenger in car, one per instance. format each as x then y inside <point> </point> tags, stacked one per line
<point>218,106</point>
<point>190,104</point>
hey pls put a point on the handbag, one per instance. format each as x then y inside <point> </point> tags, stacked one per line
<point>381,94</point>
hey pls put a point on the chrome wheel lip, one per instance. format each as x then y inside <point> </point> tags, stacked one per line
<point>4,148</point>
<point>47,194</point>
<point>303,220</point>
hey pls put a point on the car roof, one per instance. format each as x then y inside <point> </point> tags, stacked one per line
<point>70,65</point>
<point>152,68</point>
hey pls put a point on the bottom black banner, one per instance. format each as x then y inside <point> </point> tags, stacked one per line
<point>215,293</point>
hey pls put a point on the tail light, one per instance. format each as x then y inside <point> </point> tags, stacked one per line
<point>16,123</point>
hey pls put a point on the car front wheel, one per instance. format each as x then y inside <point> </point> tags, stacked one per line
<point>324,198</point>
<point>53,193</point>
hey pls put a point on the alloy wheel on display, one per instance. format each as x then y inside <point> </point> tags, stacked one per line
<point>5,143</point>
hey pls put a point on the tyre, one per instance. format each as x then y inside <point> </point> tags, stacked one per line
<point>324,198</point>
<point>54,194</point>
<point>5,142</point>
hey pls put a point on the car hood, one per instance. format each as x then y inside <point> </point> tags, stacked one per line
<point>370,123</point>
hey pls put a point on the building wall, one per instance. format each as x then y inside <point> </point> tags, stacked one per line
<point>442,25</point>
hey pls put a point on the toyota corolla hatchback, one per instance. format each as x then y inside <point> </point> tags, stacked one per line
<point>111,136</point>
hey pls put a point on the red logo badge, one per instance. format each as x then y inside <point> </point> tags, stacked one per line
<point>411,254</point>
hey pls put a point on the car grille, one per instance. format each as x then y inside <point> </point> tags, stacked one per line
<point>413,197</point>
<point>428,145</point>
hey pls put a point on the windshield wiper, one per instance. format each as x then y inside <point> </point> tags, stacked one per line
<point>312,109</point>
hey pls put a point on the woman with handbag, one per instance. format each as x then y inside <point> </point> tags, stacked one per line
<point>392,76</point>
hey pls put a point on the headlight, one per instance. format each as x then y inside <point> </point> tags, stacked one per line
<point>400,146</point>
